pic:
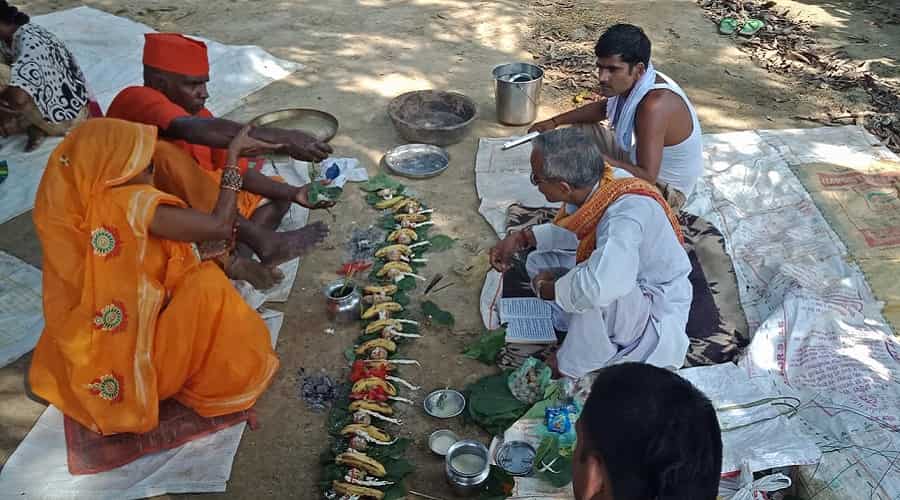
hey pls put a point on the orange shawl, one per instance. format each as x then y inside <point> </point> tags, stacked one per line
<point>583,222</point>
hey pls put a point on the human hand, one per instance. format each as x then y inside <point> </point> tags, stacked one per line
<point>8,126</point>
<point>502,253</point>
<point>553,363</point>
<point>543,126</point>
<point>244,145</point>
<point>302,198</point>
<point>540,281</point>
<point>306,148</point>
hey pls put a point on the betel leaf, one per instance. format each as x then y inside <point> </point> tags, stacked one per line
<point>498,486</point>
<point>406,284</point>
<point>487,346</point>
<point>350,353</point>
<point>401,298</point>
<point>395,492</point>
<point>559,473</point>
<point>379,182</point>
<point>440,242</point>
<point>437,315</point>
<point>318,193</point>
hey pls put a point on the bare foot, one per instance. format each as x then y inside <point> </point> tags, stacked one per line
<point>292,244</point>
<point>260,276</point>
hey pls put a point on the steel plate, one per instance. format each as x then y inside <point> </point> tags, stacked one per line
<point>444,403</point>
<point>319,124</point>
<point>416,161</point>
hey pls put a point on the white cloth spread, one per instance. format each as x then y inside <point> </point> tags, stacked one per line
<point>630,300</point>
<point>682,164</point>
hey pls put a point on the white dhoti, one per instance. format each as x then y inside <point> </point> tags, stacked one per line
<point>622,331</point>
<point>629,301</point>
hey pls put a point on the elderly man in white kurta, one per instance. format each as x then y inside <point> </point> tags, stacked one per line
<point>611,264</point>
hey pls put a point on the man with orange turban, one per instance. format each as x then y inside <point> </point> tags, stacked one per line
<point>173,97</point>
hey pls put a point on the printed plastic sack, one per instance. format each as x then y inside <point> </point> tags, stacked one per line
<point>744,487</point>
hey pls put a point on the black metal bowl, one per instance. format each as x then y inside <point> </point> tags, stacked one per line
<point>433,116</point>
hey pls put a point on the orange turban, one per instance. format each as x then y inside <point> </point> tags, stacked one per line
<point>176,54</point>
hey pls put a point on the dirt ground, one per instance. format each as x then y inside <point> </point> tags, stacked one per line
<point>360,53</point>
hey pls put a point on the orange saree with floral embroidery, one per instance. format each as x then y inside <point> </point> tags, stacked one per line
<point>132,319</point>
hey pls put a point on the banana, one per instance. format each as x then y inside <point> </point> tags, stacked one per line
<point>389,202</point>
<point>411,217</point>
<point>401,267</point>
<point>381,324</point>
<point>378,407</point>
<point>365,384</point>
<point>380,290</point>
<point>355,491</point>
<point>408,203</point>
<point>405,250</point>
<point>361,461</point>
<point>374,311</point>
<point>404,236</point>
<point>370,430</point>
<point>386,344</point>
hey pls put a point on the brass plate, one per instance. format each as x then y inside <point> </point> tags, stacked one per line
<point>319,124</point>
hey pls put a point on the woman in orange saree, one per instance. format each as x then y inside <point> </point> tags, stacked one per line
<point>133,315</point>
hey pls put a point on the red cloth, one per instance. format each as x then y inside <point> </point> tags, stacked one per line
<point>90,453</point>
<point>152,107</point>
<point>176,54</point>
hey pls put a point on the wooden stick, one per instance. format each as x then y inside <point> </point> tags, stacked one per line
<point>422,495</point>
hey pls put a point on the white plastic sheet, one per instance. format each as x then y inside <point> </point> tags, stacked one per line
<point>38,468</point>
<point>21,312</point>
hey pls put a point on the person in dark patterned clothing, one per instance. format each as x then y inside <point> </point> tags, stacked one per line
<point>42,89</point>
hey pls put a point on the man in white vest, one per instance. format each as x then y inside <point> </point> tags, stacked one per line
<point>653,131</point>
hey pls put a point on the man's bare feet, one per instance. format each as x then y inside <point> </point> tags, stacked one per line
<point>289,245</point>
<point>259,275</point>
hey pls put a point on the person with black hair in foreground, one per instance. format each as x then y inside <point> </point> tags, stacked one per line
<point>653,131</point>
<point>646,434</point>
<point>42,89</point>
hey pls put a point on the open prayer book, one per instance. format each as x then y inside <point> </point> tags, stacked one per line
<point>528,321</point>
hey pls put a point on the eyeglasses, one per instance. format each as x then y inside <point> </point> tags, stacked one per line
<point>537,181</point>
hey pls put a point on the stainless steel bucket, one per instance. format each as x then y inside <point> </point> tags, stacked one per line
<point>467,483</point>
<point>517,92</point>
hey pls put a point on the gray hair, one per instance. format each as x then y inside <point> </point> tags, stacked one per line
<point>570,154</point>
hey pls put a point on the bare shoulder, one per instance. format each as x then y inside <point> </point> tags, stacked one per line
<point>658,101</point>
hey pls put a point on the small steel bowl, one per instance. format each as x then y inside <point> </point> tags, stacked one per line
<point>453,403</point>
<point>440,433</point>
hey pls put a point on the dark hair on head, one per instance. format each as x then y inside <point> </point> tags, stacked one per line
<point>657,434</point>
<point>11,15</point>
<point>626,41</point>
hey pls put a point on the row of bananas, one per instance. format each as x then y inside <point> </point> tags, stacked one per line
<point>376,388</point>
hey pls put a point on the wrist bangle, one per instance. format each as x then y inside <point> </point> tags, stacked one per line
<point>231,179</point>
